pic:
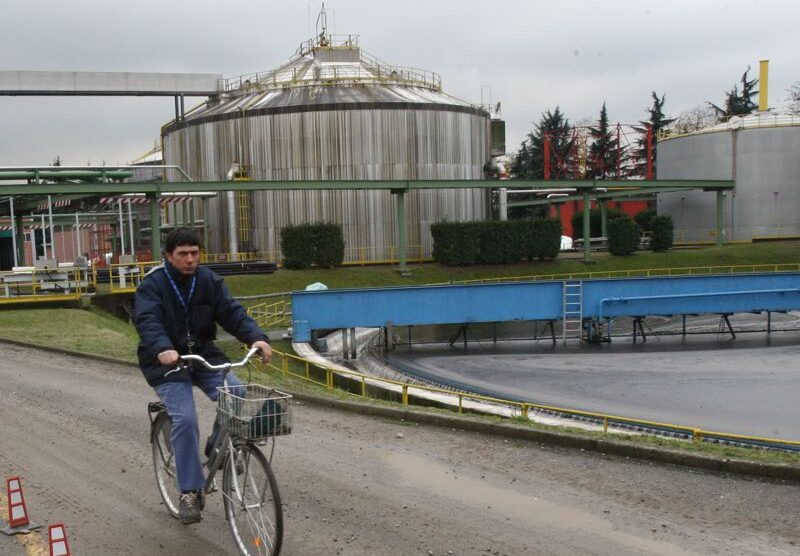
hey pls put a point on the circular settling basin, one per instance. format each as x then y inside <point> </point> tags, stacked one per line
<point>749,385</point>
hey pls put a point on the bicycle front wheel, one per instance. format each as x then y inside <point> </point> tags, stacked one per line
<point>252,502</point>
<point>164,463</point>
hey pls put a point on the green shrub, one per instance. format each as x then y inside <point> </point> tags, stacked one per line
<point>644,219</point>
<point>595,221</point>
<point>542,238</point>
<point>623,238</point>
<point>495,242</point>
<point>329,245</point>
<point>455,243</point>
<point>307,244</point>
<point>500,242</point>
<point>297,244</point>
<point>662,228</point>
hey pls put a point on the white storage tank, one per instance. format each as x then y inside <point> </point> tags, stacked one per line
<point>761,152</point>
<point>333,112</point>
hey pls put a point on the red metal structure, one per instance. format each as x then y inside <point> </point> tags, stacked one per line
<point>572,160</point>
<point>567,156</point>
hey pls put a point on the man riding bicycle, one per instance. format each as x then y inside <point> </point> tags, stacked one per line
<point>176,309</point>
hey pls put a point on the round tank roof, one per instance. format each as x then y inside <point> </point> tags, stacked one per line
<point>750,121</point>
<point>328,73</point>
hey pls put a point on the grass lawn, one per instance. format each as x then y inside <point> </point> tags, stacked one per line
<point>778,252</point>
<point>87,331</point>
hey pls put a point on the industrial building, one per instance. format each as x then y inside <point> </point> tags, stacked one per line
<point>333,112</point>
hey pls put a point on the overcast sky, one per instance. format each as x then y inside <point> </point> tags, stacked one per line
<point>533,54</point>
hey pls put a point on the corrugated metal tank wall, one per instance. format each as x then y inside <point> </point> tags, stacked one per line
<point>359,144</point>
<point>766,202</point>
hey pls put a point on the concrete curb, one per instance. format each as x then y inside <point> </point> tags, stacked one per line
<point>509,430</point>
<point>71,353</point>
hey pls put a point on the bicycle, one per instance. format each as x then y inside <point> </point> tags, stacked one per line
<point>247,415</point>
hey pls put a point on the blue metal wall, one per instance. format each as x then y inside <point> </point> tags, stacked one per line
<point>686,295</point>
<point>541,301</point>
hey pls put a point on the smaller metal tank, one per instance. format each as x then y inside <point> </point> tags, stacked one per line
<point>761,153</point>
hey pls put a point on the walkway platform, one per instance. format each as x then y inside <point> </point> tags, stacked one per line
<point>577,300</point>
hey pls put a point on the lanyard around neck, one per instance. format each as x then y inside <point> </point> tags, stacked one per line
<point>184,302</point>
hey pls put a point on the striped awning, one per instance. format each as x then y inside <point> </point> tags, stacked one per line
<point>7,227</point>
<point>56,204</point>
<point>163,200</point>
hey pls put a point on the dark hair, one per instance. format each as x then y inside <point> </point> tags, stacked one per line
<point>181,236</point>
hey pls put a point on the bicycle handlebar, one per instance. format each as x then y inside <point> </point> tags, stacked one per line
<point>210,367</point>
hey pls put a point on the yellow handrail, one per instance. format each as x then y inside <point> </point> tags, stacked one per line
<point>125,278</point>
<point>406,391</point>
<point>38,285</point>
<point>642,273</point>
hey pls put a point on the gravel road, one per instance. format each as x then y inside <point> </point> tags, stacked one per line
<point>77,432</point>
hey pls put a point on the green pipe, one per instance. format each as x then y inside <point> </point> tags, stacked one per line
<point>69,174</point>
<point>20,231</point>
<point>155,226</point>
<point>720,218</point>
<point>401,231</point>
<point>205,223</point>
<point>603,219</point>
<point>587,232</point>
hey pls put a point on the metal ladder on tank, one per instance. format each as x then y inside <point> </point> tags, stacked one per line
<point>572,310</point>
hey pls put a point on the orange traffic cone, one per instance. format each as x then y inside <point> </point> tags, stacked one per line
<point>58,540</point>
<point>18,521</point>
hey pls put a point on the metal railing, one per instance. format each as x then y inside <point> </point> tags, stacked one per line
<point>409,394</point>
<point>642,273</point>
<point>125,278</point>
<point>750,121</point>
<point>368,69</point>
<point>353,256</point>
<point>383,255</point>
<point>272,315</point>
<point>44,285</point>
<point>267,256</point>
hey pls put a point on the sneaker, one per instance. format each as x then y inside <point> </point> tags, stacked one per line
<point>189,510</point>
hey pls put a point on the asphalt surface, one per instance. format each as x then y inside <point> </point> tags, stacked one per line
<point>77,432</point>
<point>750,385</point>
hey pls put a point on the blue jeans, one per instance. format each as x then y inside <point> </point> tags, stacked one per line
<point>179,401</point>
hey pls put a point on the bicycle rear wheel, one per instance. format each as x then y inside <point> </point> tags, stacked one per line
<point>164,463</point>
<point>252,502</point>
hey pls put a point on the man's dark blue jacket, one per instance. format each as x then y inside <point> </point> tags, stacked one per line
<point>161,322</point>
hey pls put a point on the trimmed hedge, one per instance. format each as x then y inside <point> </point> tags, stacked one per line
<point>495,242</point>
<point>306,244</point>
<point>501,241</point>
<point>623,237</point>
<point>662,236</point>
<point>595,221</point>
<point>542,238</point>
<point>645,219</point>
<point>329,245</point>
<point>455,243</point>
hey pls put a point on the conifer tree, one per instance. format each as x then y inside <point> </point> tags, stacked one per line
<point>603,150</point>
<point>738,103</point>
<point>658,121</point>
<point>529,162</point>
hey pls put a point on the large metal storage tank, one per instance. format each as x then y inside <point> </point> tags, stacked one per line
<point>761,152</point>
<point>333,112</point>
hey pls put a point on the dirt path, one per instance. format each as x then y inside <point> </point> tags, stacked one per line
<point>77,433</point>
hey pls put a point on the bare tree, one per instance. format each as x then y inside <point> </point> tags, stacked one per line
<point>693,119</point>
<point>792,103</point>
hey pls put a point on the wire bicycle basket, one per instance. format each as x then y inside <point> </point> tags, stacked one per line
<point>254,412</point>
